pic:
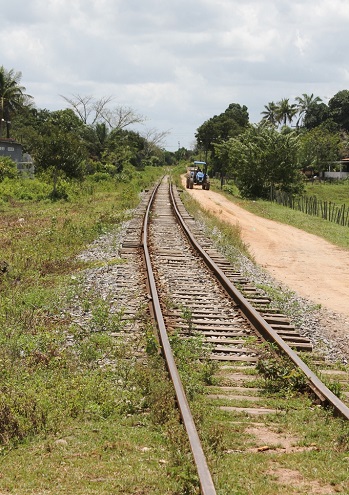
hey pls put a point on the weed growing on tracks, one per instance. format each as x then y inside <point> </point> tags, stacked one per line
<point>187,316</point>
<point>280,374</point>
<point>195,369</point>
<point>160,401</point>
<point>282,377</point>
<point>103,319</point>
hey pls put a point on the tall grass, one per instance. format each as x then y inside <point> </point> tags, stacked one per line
<point>44,381</point>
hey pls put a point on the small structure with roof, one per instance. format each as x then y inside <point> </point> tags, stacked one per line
<point>342,173</point>
<point>11,148</point>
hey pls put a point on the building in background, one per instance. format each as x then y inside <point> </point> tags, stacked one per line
<point>14,150</point>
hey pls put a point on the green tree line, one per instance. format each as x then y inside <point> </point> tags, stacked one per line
<point>91,136</point>
<point>292,138</point>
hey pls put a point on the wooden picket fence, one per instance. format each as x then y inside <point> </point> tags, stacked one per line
<point>311,205</point>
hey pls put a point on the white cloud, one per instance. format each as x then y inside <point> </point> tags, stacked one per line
<point>178,62</point>
<point>301,42</point>
<point>21,43</point>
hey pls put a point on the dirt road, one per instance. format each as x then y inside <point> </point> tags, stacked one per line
<point>307,264</point>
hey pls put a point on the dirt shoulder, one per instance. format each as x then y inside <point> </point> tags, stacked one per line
<point>307,264</point>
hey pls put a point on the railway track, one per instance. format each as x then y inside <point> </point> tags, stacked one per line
<point>197,293</point>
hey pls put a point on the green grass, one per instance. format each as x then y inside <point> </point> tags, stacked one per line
<point>338,192</point>
<point>92,457</point>
<point>68,425</point>
<point>320,442</point>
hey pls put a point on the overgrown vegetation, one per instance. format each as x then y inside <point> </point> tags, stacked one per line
<point>39,242</point>
<point>279,372</point>
<point>88,137</point>
<point>60,382</point>
<point>262,158</point>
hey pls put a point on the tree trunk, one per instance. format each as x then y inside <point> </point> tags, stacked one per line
<point>55,181</point>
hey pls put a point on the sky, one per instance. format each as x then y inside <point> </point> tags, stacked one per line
<point>177,62</point>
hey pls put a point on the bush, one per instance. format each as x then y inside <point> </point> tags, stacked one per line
<point>24,189</point>
<point>8,168</point>
<point>100,176</point>
<point>261,158</point>
<point>280,374</point>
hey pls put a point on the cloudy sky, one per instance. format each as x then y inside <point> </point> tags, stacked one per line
<point>177,62</point>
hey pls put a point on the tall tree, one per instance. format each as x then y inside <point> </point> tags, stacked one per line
<point>339,108</point>
<point>316,115</point>
<point>12,97</point>
<point>304,104</point>
<point>285,111</point>
<point>92,111</point>
<point>319,148</point>
<point>270,113</point>
<point>219,129</point>
<point>58,147</point>
<point>261,158</point>
<point>87,108</point>
<point>154,141</point>
<point>120,117</point>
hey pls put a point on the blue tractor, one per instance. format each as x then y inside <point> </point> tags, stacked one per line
<point>196,175</point>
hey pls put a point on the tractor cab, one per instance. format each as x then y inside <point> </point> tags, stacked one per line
<point>196,174</point>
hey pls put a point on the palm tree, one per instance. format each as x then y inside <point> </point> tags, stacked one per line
<point>285,111</point>
<point>304,103</point>
<point>12,97</point>
<point>269,114</point>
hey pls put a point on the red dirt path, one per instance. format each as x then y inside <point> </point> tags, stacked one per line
<point>307,264</point>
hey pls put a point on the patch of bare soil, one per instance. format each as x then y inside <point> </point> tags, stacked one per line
<point>290,477</point>
<point>310,266</point>
<point>269,440</point>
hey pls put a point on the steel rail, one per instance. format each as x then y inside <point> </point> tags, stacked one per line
<point>325,395</point>
<point>205,479</point>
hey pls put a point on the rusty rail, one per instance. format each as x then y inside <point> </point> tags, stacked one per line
<point>326,396</point>
<point>205,479</point>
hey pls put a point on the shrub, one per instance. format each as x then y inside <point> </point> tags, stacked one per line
<point>280,374</point>
<point>8,168</point>
<point>24,189</point>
